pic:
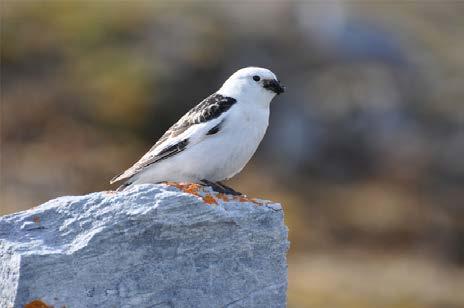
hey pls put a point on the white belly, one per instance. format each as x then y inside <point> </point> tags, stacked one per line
<point>217,157</point>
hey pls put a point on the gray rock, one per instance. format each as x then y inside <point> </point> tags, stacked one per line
<point>150,246</point>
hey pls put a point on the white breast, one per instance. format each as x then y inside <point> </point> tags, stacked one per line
<point>243,131</point>
<point>217,157</point>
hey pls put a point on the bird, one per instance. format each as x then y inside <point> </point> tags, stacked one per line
<point>213,141</point>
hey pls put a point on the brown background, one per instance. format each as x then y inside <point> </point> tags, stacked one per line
<point>365,150</point>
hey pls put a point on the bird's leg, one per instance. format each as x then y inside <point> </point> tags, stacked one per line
<point>229,190</point>
<point>217,188</point>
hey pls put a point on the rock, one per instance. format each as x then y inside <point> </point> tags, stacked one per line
<point>149,246</point>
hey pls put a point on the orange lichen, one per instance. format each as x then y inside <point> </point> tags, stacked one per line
<point>37,303</point>
<point>175,184</point>
<point>198,191</point>
<point>192,189</point>
<point>36,219</point>
<point>244,198</point>
<point>223,197</point>
<point>208,199</point>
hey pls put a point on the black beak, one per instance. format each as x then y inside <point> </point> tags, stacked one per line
<point>274,86</point>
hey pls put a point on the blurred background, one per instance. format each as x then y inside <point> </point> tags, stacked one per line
<point>365,150</point>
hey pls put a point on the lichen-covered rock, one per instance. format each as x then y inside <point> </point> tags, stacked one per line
<point>150,246</point>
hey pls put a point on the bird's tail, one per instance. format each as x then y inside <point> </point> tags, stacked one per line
<point>117,177</point>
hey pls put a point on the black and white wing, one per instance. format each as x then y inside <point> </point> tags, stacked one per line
<point>202,120</point>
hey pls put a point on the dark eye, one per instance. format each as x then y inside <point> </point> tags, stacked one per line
<point>256,78</point>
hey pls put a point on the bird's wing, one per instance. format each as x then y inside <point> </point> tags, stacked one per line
<point>202,120</point>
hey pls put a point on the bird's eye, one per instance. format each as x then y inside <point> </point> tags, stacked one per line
<point>256,78</point>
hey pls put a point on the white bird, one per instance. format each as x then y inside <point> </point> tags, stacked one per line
<point>215,139</point>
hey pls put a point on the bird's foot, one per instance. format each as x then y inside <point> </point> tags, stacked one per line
<point>215,187</point>
<point>229,190</point>
<point>220,188</point>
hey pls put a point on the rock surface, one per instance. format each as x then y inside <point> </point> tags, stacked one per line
<point>150,246</point>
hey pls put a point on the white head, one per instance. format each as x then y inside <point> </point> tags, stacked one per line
<point>258,84</point>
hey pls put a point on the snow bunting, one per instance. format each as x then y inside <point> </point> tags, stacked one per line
<point>215,139</point>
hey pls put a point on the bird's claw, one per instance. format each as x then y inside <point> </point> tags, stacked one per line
<point>220,188</point>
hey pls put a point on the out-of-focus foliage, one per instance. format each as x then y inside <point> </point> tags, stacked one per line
<point>365,150</point>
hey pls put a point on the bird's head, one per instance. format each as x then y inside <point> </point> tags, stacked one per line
<point>255,84</point>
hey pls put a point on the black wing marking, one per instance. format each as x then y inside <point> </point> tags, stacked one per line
<point>210,108</point>
<point>215,129</point>
<point>165,153</point>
